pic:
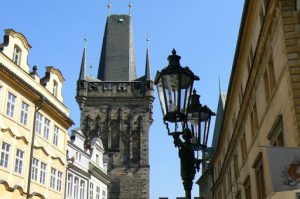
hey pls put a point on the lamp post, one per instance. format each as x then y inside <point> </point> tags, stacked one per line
<point>183,116</point>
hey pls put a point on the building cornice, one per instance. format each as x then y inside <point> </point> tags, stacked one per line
<point>98,173</point>
<point>68,121</point>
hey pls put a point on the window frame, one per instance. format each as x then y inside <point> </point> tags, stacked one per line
<point>43,170</point>
<point>19,159</point>
<point>91,190</point>
<point>24,113</point>
<point>52,178</point>
<point>11,104</point>
<point>35,169</point>
<point>4,158</point>
<point>39,123</point>
<point>59,181</point>
<point>247,187</point>
<point>277,132</point>
<point>17,54</point>
<point>69,184</point>
<point>258,167</point>
<point>55,135</point>
<point>46,128</point>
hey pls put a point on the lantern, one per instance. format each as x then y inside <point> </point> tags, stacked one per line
<point>174,85</point>
<point>198,122</point>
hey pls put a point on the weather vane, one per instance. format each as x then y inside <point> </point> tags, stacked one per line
<point>130,6</point>
<point>148,41</point>
<point>108,8</point>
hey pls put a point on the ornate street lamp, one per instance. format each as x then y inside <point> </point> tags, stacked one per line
<point>183,113</point>
<point>174,85</point>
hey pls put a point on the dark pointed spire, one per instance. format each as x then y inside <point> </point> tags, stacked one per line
<point>117,60</point>
<point>82,75</point>
<point>147,68</point>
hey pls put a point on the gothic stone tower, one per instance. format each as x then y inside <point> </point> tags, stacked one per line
<point>117,107</point>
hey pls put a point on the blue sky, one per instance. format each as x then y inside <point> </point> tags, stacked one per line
<point>204,33</point>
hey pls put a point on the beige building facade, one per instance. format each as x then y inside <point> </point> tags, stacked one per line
<point>262,104</point>
<point>30,105</point>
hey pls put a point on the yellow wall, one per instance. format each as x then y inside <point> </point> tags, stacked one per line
<point>20,136</point>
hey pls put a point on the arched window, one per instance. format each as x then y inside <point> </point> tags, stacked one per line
<point>55,88</point>
<point>17,55</point>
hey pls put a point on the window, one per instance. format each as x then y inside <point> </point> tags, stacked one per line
<point>235,166</point>
<point>261,17</point>
<point>247,187</point>
<point>254,121</point>
<point>250,60</point>
<point>259,175</point>
<point>91,190</point>
<point>241,95</point>
<point>24,113</point>
<point>298,195</point>
<point>19,161</point>
<point>34,169</point>
<point>4,154</point>
<point>229,180</point>
<point>17,55</point>
<point>70,185</point>
<point>55,136</point>
<point>97,159</point>
<point>97,192</point>
<point>276,134</point>
<point>81,190</point>
<point>55,88</point>
<point>43,172</point>
<point>266,85</point>
<point>59,180</point>
<point>38,123</point>
<point>76,187</point>
<point>53,178</point>
<point>78,156</point>
<point>269,79</point>
<point>243,147</point>
<point>46,128</point>
<point>103,194</point>
<point>10,107</point>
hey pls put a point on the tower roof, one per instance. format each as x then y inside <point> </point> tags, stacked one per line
<point>82,75</point>
<point>147,68</point>
<point>117,61</point>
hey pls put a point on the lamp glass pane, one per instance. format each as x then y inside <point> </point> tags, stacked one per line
<point>193,125</point>
<point>161,96</point>
<point>186,86</point>
<point>170,83</point>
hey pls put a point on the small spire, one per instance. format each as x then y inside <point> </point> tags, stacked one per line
<point>220,85</point>
<point>82,75</point>
<point>130,6</point>
<point>108,8</point>
<point>147,68</point>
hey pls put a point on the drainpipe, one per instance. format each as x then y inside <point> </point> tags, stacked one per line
<point>38,107</point>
